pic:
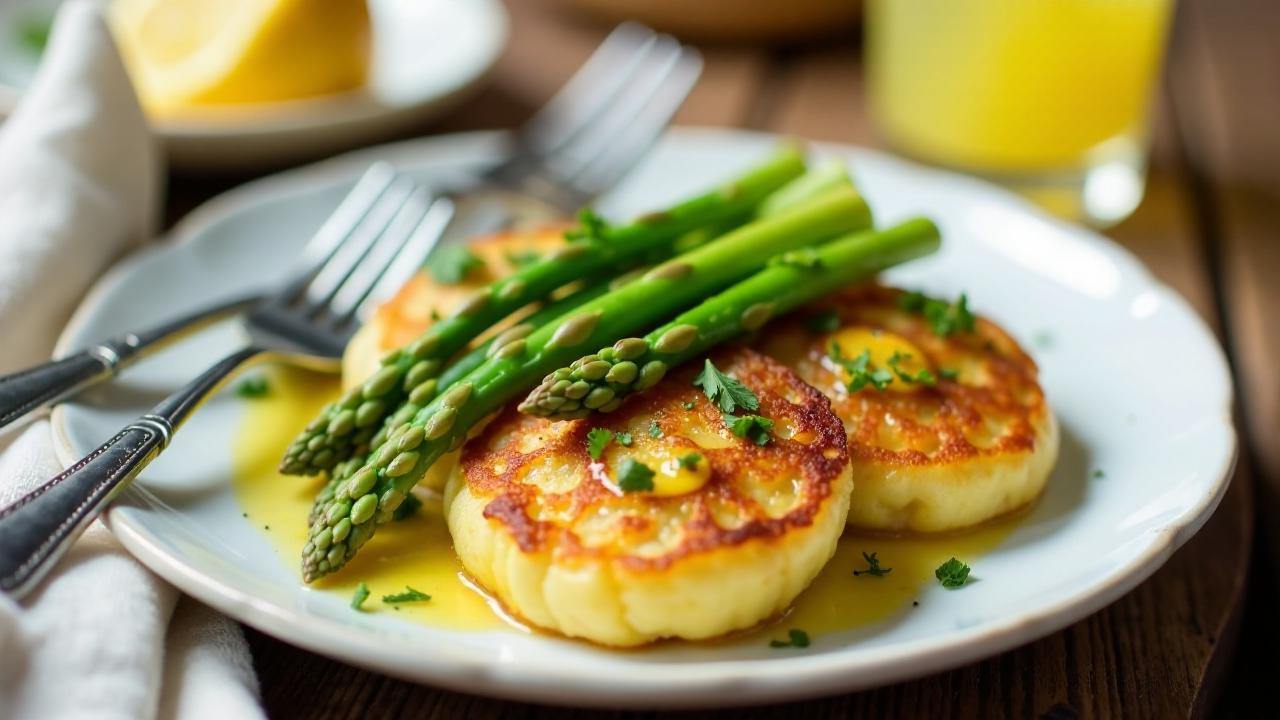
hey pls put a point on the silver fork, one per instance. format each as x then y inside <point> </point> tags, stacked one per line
<point>577,146</point>
<point>307,322</point>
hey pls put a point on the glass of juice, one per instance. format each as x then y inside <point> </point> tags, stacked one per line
<point>1049,97</point>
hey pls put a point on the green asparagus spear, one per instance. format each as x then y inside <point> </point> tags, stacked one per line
<point>808,187</point>
<point>410,374</point>
<point>372,493</point>
<point>460,367</point>
<point>634,364</point>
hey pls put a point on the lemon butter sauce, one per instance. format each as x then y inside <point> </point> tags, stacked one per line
<point>417,552</point>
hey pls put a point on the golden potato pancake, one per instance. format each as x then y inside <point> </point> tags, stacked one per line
<point>978,443</point>
<point>725,539</point>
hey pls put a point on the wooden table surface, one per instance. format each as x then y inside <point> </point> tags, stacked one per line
<point>1206,227</point>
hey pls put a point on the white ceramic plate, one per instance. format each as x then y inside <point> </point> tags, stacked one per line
<point>427,55</point>
<point>1138,383</point>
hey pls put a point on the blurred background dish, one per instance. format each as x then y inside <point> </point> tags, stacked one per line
<point>337,79</point>
<point>728,19</point>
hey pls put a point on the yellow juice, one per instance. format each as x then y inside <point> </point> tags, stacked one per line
<point>1014,86</point>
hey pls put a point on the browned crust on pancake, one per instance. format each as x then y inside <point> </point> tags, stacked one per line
<point>492,463</point>
<point>946,423</point>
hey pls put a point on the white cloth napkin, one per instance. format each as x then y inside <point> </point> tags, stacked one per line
<point>79,184</point>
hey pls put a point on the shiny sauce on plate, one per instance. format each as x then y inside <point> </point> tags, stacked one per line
<point>417,552</point>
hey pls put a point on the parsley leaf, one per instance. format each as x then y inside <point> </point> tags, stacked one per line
<point>623,438</point>
<point>823,322</point>
<point>597,440</point>
<point>689,405</point>
<point>952,573</point>
<point>945,318</point>
<point>795,639</point>
<point>654,430</point>
<point>752,427</point>
<point>806,257</point>
<point>361,594</point>
<point>924,376</point>
<point>520,258</point>
<point>873,566</point>
<point>726,392</point>
<point>409,595</point>
<point>634,476</point>
<point>1098,474</point>
<point>947,374</point>
<point>253,387</point>
<point>591,227</point>
<point>452,263</point>
<point>861,374</point>
<point>408,508</point>
<point>690,461</point>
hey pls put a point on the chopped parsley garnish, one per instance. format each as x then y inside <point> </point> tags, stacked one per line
<point>724,391</point>
<point>634,476</point>
<point>408,508</point>
<point>409,595</point>
<point>795,639</point>
<point>803,258</point>
<point>654,430</point>
<point>689,405</point>
<point>690,461</point>
<point>623,438</point>
<point>361,594</point>
<point>1098,474</point>
<point>945,318</point>
<point>597,440</point>
<point>923,377</point>
<point>823,322</point>
<point>873,566</point>
<point>948,374</point>
<point>520,258</point>
<point>752,427</point>
<point>591,227</point>
<point>952,573</point>
<point>452,263</point>
<point>861,373</point>
<point>253,387</point>
<point>435,314</point>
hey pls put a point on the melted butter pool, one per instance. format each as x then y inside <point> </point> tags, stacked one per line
<point>418,552</point>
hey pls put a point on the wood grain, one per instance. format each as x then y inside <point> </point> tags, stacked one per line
<point>1227,101</point>
<point>1160,651</point>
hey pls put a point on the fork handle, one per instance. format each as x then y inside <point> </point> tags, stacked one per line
<point>40,526</point>
<point>26,390</point>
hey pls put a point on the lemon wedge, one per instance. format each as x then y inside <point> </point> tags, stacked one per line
<point>191,53</point>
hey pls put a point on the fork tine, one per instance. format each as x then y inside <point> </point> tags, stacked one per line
<point>353,209</point>
<point>650,102</point>
<point>625,150</point>
<point>590,90</point>
<point>347,256</point>
<point>410,256</point>
<point>364,275</point>
<point>338,227</point>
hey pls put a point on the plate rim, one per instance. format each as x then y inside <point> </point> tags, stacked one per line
<point>719,682</point>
